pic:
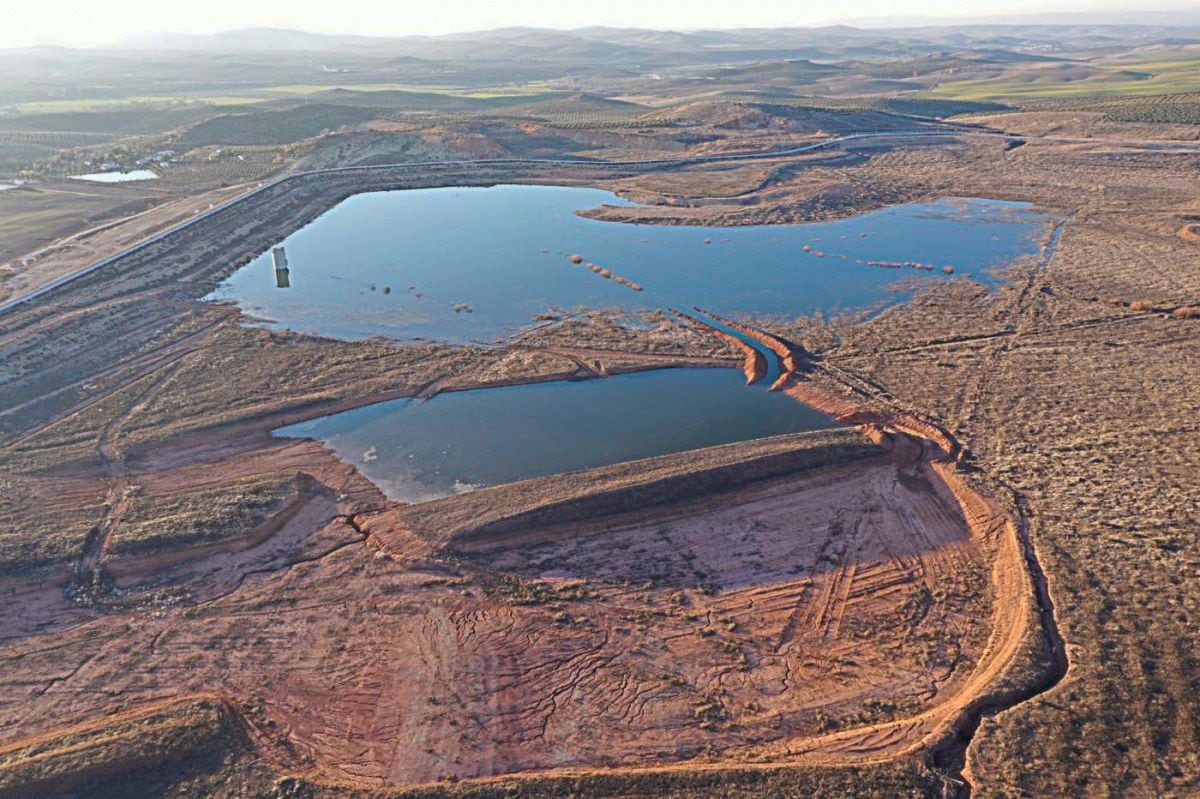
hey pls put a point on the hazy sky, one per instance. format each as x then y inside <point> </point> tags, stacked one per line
<point>91,22</point>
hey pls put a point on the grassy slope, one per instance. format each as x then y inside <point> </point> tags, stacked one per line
<point>1124,79</point>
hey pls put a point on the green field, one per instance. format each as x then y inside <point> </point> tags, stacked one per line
<point>110,103</point>
<point>1141,79</point>
<point>487,93</point>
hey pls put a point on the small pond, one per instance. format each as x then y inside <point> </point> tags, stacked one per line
<point>416,450</point>
<point>118,177</point>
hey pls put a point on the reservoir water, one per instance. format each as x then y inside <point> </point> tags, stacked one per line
<point>476,264</point>
<point>416,450</point>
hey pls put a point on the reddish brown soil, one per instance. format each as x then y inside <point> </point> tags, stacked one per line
<point>739,625</point>
<point>754,365</point>
<point>831,616</point>
<point>843,613</point>
<point>789,358</point>
<point>846,611</point>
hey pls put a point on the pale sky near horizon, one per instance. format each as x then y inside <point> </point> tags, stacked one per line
<point>82,23</point>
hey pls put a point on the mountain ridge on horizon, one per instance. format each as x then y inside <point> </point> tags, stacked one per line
<point>270,38</point>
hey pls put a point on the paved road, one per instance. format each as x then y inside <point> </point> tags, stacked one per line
<point>591,164</point>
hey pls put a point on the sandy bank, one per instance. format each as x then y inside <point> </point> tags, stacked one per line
<point>790,356</point>
<point>754,365</point>
<point>468,521</point>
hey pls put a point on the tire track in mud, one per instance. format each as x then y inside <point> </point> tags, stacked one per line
<point>953,756</point>
<point>90,579</point>
<point>1021,306</point>
<point>952,341</point>
<point>949,757</point>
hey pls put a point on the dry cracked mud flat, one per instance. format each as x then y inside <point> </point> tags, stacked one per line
<point>195,607</point>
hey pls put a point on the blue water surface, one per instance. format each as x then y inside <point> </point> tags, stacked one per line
<point>416,450</point>
<point>476,264</point>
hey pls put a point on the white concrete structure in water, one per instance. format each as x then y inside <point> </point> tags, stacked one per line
<point>282,276</point>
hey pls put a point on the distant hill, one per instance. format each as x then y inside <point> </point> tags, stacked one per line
<point>792,70</point>
<point>1183,17</point>
<point>272,127</point>
<point>645,46</point>
<point>579,106</point>
<point>247,39</point>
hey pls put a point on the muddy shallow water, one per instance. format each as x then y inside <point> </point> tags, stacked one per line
<point>473,264</point>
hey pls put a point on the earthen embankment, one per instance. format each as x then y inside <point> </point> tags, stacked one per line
<point>472,520</point>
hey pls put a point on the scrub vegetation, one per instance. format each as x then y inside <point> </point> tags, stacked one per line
<point>983,585</point>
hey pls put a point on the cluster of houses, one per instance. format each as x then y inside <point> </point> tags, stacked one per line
<point>164,158</point>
